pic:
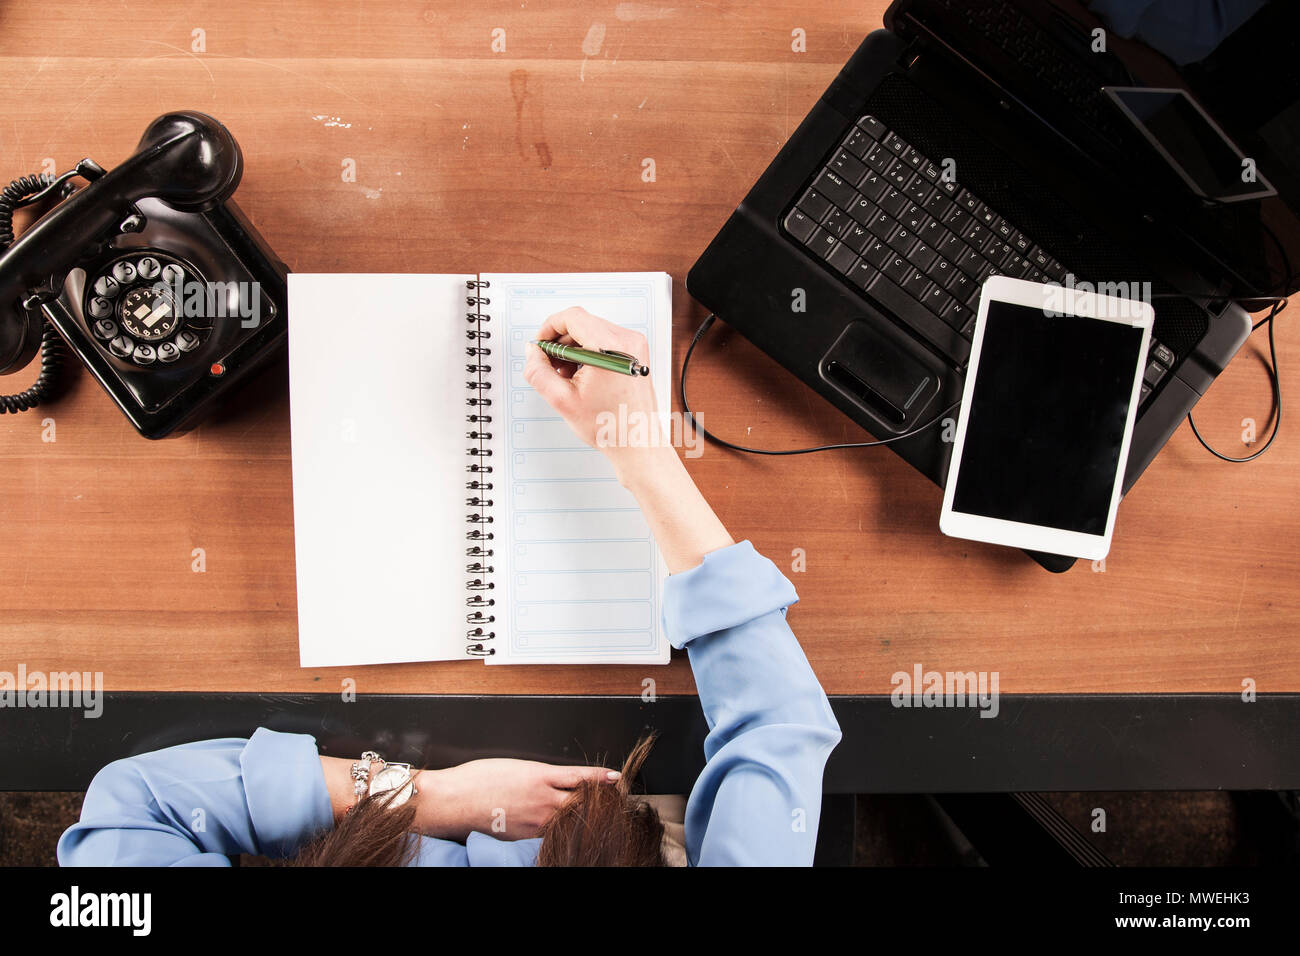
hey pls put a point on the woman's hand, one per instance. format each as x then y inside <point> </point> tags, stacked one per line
<point>683,524</point>
<point>507,799</point>
<point>596,402</point>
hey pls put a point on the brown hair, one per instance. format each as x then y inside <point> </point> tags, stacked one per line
<point>370,834</point>
<point>603,825</point>
<point>599,825</point>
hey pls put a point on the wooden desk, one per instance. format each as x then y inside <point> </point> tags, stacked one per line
<point>531,159</point>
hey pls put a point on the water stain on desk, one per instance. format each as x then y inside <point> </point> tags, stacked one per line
<point>529,128</point>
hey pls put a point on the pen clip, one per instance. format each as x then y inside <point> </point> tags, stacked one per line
<point>630,358</point>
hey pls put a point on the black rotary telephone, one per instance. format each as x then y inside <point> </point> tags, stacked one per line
<point>149,273</point>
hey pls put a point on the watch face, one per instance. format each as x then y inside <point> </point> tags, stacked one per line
<point>393,778</point>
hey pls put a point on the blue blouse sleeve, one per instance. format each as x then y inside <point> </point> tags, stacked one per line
<point>771,728</point>
<point>193,804</point>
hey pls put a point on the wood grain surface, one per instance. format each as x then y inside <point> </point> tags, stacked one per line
<point>530,160</point>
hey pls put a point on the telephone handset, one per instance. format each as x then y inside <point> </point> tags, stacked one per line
<point>149,273</point>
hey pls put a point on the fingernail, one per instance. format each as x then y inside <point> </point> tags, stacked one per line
<point>612,775</point>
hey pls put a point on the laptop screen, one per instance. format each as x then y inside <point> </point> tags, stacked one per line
<point>1233,63</point>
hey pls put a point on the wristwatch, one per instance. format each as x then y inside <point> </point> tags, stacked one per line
<point>390,777</point>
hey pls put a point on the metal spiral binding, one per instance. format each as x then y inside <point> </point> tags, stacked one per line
<point>478,568</point>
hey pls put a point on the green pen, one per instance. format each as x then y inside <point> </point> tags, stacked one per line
<point>609,360</point>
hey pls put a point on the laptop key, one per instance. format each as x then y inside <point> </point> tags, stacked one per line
<point>913,158</point>
<point>901,240</point>
<point>873,186</point>
<point>897,268</point>
<point>800,225</point>
<point>961,285</point>
<point>862,274</point>
<point>937,205</point>
<point>872,126</point>
<point>899,173</point>
<point>967,201</point>
<point>893,202</point>
<point>882,226</point>
<point>814,204</point>
<point>957,220</point>
<point>856,236</point>
<point>1154,373</point>
<point>917,283</point>
<point>858,142</point>
<point>1016,267</point>
<point>1163,353</point>
<point>822,243</point>
<point>848,166</point>
<point>933,233</point>
<point>836,220</point>
<point>940,270</point>
<point>976,235</point>
<point>956,314</point>
<point>918,190</point>
<point>896,143</point>
<point>951,246</point>
<point>863,210</point>
<point>923,256</point>
<point>877,253</point>
<point>914,218</point>
<point>878,157</point>
<point>997,252</point>
<point>842,258</point>
<point>930,171</point>
<point>968,330</point>
<point>935,299</point>
<point>971,262</point>
<point>833,187</point>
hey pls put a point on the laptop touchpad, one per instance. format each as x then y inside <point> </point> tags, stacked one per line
<point>882,379</point>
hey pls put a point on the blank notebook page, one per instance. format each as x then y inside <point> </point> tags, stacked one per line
<point>377,403</point>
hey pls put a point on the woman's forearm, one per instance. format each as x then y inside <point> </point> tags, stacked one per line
<point>681,521</point>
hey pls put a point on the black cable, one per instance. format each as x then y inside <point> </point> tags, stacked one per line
<point>686,408</point>
<point>1276,382</point>
<point>17,194</point>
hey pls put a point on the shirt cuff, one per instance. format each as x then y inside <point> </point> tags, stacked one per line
<point>732,586</point>
<point>288,803</point>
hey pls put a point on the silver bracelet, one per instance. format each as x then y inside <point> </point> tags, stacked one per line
<point>361,774</point>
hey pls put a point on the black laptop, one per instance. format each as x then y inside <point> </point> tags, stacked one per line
<point>1049,140</point>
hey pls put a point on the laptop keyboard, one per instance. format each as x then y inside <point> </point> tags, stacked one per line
<point>882,216</point>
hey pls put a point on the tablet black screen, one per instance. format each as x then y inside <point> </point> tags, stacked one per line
<point>1047,418</point>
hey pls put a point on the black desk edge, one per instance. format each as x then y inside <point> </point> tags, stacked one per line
<point>1036,742</point>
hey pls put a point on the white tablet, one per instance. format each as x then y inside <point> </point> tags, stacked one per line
<point>1046,418</point>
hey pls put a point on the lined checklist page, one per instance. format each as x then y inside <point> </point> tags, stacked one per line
<point>579,578</point>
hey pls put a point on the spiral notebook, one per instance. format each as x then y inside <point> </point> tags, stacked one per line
<point>442,510</point>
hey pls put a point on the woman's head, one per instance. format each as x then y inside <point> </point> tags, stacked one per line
<point>603,825</point>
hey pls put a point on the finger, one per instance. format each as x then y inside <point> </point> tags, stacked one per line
<point>555,388</point>
<point>580,326</point>
<point>566,778</point>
